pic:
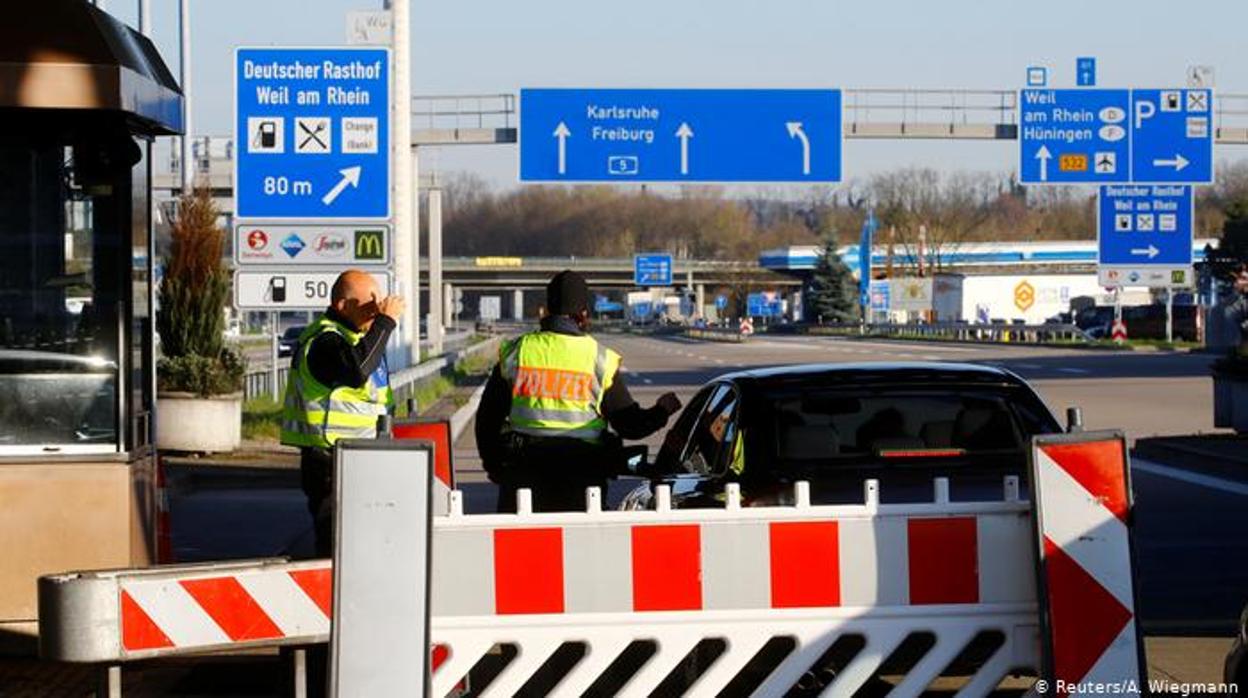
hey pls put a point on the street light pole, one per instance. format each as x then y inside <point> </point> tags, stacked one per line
<point>406,220</point>
<point>184,44</point>
<point>145,18</point>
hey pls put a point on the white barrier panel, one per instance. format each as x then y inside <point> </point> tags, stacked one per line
<point>1083,512</point>
<point>738,579</point>
<point>380,634</point>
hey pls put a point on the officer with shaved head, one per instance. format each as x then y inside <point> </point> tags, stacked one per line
<point>339,385</point>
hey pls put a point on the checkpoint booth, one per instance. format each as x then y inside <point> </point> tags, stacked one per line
<point>81,98</point>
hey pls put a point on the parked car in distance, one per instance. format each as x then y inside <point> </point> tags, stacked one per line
<point>289,340</point>
<point>838,425</point>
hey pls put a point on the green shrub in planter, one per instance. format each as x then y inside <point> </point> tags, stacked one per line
<point>193,295</point>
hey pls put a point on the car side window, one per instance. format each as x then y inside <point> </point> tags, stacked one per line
<point>674,442</point>
<point>715,428</point>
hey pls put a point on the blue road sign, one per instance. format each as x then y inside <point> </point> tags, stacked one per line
<point>312,132</point>
<point>652,269</point>
<point>1037,76</point>
<point>880,296</point>
<point>586,135</point>
<point>1172,136</point>
<point>1074,136</point>
<point>765,304</point>
<point>1143,225</point>
<point>1085,71</point>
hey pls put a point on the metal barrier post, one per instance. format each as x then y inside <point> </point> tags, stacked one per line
<point>110,681</point>
<point>299,667</point>
<point>273,344</point>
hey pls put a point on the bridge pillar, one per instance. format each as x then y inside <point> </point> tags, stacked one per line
<point>700,296</point>
<point>517,304</point>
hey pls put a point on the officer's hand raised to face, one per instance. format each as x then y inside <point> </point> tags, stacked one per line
<point>669,402</point>
<point>392,307</point>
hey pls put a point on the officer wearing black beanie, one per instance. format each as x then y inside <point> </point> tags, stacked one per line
<point>545,412</point>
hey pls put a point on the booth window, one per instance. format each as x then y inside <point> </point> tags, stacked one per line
<point>73,296</point>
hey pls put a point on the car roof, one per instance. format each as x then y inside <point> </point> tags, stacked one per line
<point>893,373</point>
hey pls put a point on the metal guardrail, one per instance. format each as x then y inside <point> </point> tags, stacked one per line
<point>716,334</point>
<point>963,332</point>
<point>258,382</point>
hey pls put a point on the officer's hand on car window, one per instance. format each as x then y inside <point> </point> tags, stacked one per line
<point>392,307</point>
<point>669,402</point>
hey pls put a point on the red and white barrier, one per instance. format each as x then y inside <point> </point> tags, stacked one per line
<point>1083,510</point>
<point>437,431</point>
<point>609,578</point>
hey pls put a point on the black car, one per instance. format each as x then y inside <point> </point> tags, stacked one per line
<point>837,425</point>
<point>289,340</point>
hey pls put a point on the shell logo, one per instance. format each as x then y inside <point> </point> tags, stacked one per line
<point>1024,296</point>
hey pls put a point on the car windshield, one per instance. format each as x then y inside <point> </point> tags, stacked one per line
<point>821,425</point>
<point>293,333</point>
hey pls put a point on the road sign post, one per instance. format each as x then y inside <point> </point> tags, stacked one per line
<point>1172,136</point>
<point>1073,136</point>
<point>1106,136</point>
<point>284,289</point>
<point>1144,235</point>
<point>652,269</point>
<point>312,128</point>
<point>587,135</point>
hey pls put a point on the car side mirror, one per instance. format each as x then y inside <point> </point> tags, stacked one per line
<point>633,460</point>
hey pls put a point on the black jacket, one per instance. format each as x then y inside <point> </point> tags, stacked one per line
<point>335,363</point>
<point>621,411</point>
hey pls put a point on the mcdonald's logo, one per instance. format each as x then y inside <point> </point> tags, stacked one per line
<point>370,244</point>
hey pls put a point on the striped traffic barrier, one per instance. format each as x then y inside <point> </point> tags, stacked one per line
<point>1087,604</point>
<point>608,579</point>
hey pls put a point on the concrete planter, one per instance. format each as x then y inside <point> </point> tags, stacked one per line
<point>187,422</point>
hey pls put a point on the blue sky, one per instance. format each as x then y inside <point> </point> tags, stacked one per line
<point>475,46</point>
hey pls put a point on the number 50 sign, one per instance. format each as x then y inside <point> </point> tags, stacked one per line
<point>256,289</point>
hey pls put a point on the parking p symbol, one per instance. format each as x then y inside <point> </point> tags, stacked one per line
<point>1144,110</point>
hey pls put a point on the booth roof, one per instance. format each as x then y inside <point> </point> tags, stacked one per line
<point>68,55</point>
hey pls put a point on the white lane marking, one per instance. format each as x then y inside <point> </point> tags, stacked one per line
<point>1074,370</point>
<point>719,361</point>
<point>1215,483</point>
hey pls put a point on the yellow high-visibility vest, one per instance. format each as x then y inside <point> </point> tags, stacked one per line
<point>316,415</point>
<point>557,383</point>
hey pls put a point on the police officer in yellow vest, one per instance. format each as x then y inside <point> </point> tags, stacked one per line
<point>544,415</point>
<point>339,385</point>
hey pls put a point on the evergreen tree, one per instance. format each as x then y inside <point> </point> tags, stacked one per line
<point>833,293</point>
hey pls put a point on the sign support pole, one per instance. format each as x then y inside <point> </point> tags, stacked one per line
<point>1169,315</point>
<point>406,228</point>
<point>184,65</point>
<point>436,303</point>
<point>273,343</point>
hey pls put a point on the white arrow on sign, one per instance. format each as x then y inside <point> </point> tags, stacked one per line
<point>351,176</point>
<point>1043,155</point>
<point>795,131</point>
<point>684,133</point>
<point>562,133</point>
<point>1178,163</point>
<point>1151,251</point>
